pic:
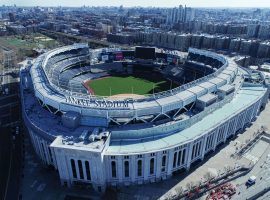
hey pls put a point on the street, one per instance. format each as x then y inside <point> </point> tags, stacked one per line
<point>262,171</point>
<point>5,158</point>
<point>10,158</point>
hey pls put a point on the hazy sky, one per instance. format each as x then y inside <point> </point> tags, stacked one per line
<point>144,3</point>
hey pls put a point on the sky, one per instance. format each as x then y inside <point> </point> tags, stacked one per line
<point>142,3</point>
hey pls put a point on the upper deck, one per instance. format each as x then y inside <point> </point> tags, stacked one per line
<point>110,109</point>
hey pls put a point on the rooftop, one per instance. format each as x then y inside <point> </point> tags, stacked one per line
<point>243,99</point>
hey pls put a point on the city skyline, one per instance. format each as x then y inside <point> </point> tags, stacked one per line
<point>141,3</point>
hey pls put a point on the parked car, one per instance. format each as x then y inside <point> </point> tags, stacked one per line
<point>251,181</point>
<point>17,130</point>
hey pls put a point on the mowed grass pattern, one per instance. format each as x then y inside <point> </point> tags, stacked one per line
<point>123,85</point>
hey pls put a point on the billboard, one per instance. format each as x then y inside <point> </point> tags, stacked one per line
<point>128,54</point>
<point>119,56</point>
<point>145,53</point>
<point>172,59</point>
<point>104,58</point>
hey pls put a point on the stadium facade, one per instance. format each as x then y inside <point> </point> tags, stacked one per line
<point>101,141</point>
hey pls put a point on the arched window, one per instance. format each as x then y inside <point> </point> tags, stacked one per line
<point>139,171</point>
<point>184,156</point>
<point>152,165</point>
<point>179,158</point>
<point>126,169</point>
<point>80,169</point>
<point>73,167</point>
<point>113,165</point>
<point>174,159</point>
<point>164,161</point>
<point>87,168</point>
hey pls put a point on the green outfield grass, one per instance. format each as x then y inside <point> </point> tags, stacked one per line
<point>24,44</point>
<point>28,41</point>
<point>127,85</point>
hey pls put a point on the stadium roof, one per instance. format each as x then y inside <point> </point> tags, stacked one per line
<point>207,97</point>
<point>243,99</point>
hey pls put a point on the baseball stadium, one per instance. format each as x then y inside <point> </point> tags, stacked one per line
<point>119,117</point>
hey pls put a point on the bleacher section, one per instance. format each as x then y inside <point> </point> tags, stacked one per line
<point>62,67</point>
<point>195,67</point>
<point>198,66</point>
<point>76,83</point>
<point>69,70</point>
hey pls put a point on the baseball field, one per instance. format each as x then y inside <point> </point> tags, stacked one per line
<point>115,85</point>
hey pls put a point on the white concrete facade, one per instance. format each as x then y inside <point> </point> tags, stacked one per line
<point>137,168</point>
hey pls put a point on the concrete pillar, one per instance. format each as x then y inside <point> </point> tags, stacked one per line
<point>199,148</point>
<point>243,117</point>
<point>226,130</point>
<point>189,153</point>
<point>133,166</point>
<point>64,167</point>
<point>39,147</point>
<point>216,137</point>
<point>97,168</point>
<point>77,169</point>
<point>146,166</point>
<point>204,145</point>
<point>235,124</point>
<point>46,151</point>
<point>119,171</point>
<point>34,142</point>
<point>158,163</point>
<point>84,170</point>
<point>170,162</point>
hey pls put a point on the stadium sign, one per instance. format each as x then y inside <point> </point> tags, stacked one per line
<point>99,103</point>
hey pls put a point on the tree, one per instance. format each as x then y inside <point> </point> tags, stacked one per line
<point>179,190</point>
<point>190,185</point>
<point>247,141</point>
<point>168,196</point>
<point>227,168</point>
<point>263,128</point>
<point>208,176</point>
<point>199,183</point>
